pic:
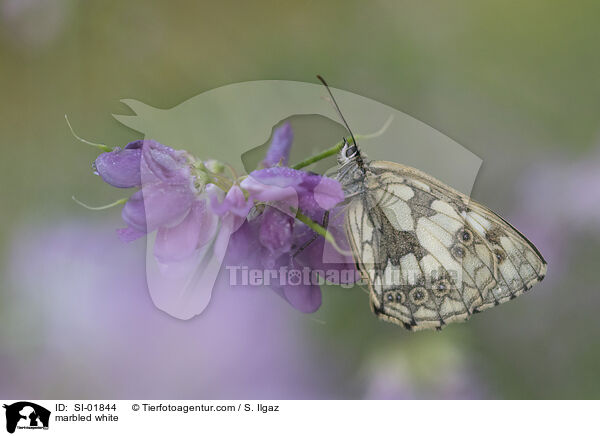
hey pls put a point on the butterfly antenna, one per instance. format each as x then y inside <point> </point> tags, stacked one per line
<point>337,108</point>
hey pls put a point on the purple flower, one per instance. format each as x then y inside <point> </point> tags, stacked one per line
<point>279,150</point>
<point>246,250</point>
<point>189,253</point>
<point>178,243</point>
<point>234,202</point>
<point>276,231</point>
<point>309,192</point>
<point>272,239</point>
<point>194,227</point>
<point>121,167</point>
<point>157,205</point>
<point>164,174</point>
<point>163,164</point>
<point>265,243</point>
<point>321,255</point>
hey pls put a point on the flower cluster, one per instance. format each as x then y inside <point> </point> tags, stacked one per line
<point>192,205</point>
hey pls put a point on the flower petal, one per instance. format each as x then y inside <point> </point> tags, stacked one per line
<point>162,163</point>
<point>295,285</point>
<point>295,188</point>
<point>120,167</point>
<point>133,212</point>
<point>235,202</point>
<point>176,243</point>
<point>328,192</point>
<point>276,230</point>
<point>243,245</point>
<point>276,176</point>
<point>166,204</point>
<point>339,267</point>
<point>279,150</point>
<point>157,205</point>
<point>129,234</point>
<point>305,298</point>
<point>183,288</point>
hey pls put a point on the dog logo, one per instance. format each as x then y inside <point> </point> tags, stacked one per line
<point>26,415</point>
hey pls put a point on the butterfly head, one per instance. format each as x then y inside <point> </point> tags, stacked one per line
<point>350,153</point>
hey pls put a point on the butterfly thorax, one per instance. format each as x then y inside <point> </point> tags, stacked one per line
<point>353,171</point>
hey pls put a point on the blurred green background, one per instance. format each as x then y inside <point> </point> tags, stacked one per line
<point>517,83</point>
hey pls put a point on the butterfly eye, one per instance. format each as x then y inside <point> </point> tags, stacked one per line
<point>351,151</point>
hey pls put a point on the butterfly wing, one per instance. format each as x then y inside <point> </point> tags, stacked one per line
<point>431,255</point>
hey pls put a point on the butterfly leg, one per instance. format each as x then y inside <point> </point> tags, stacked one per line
<point>314,237</point>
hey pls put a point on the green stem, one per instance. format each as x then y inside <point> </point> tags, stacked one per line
<point>107,206</point>
<point>337,147</point>
<point>319,230</point>
<point>102,147</point>
<point>324,154</point>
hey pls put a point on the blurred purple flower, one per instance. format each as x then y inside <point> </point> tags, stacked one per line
<point>100,335</point>
<point>558,200</point>
<point>448,376</point>
<point>583,190</point>
<point>279,150</point>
